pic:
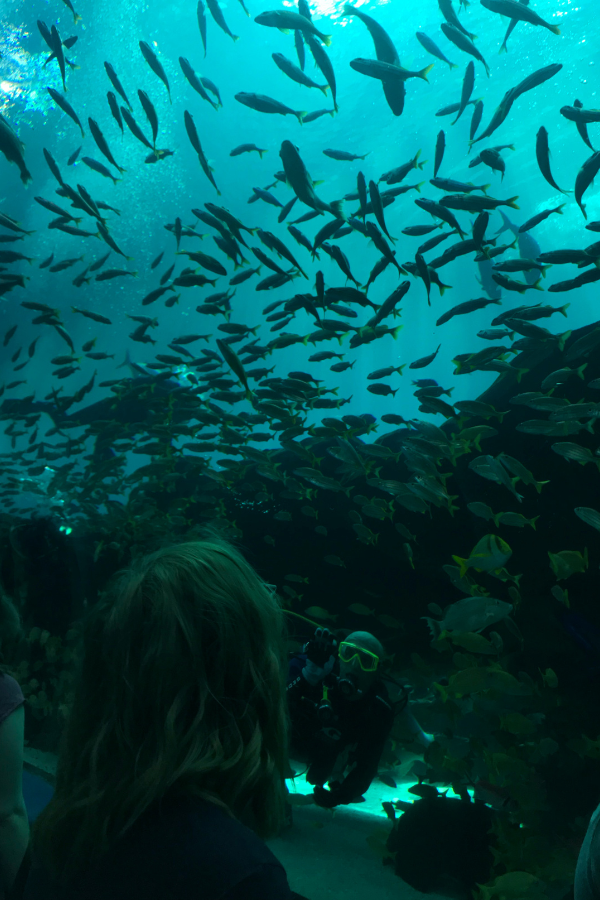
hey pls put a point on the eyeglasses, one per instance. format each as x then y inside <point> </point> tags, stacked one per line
<point>368,661</point>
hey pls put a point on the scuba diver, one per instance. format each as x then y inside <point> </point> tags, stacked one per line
<point>338,699</point>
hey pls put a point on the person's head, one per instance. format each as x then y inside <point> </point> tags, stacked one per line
<point>179,689</point>
<point>364,680</point>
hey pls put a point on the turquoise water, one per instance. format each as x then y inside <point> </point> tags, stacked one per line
<point>149,196</point>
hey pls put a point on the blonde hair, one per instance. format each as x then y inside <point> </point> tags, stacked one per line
<point>179,689</point>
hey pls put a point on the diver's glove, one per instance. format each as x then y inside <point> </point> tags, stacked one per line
<point>327,799</point>
<point>320,652</point>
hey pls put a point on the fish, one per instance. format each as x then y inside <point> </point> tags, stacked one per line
<point>377,207</point>
<point>495,469</point>
<point>520,265</point>
<point>588,515</point>
<point>114,108</point>
<point>233,361</point>
<point>201,18</point>
<point>267,197</point>
<point>469,615</point>
<point>395,92</point>
<point>296,74</point>
<point>155,64</point>
<point>264,259</point>
<point>57,48</point>
<point>433,48</point>
<point>489,555</point>
<point>585,177</point>
<point>46,262</point>
<point>535,220</point>
<point>475,204</point>
<point>150,111</point>
<point>102,144</point>
<point>76,17</point>
<point>66,107</point>
<point>114,80</point>
<point>262,103</point>
<point>343,155</point>
<point>515,519</point>
<point>65,264</point>
<point>576,114</point>
<point>567,562</point>
<point>477,433</point>
<point>386,372</point>
<point>274,243</point>
<point>440,146</point>
<point>313,476</point>
<point>424,360</point>
<point>423,271</point>
<point>439,210</point>
<point>13,149</point>
<point>576,452</point>
<point>542,153</point>
<point>247,148</point>
<point>510,284</point>
<point>73,157</point>
<point>475,121</point>
<point>518,11</point>
<point>387,71</point>
<point>96,317</point>
<point>467,90</point>
<point>493,159</point>
<point>236,227</point>
<point>560,376</point>
<point>301,183</point>
<point>194,81</point>
<point>341,259</point>
<point>105,235</point>
<point>500,114</point>
<point>452,108</point>
<point>586,278</point>
<point>206,261</point>
<point>211,86</point>
<point>99,167</point>
<point>299,44</point>
<point>190,127</point>
<point>381,389</point>
<point>287,20</point>
<point>420,230</point>
<point>527,84</point>
<point>313,116</point>
<point>113,273</point>
<point>135,128</point>
<point>511,27</point>
<point>383,247</point>
<point>464,308</point>
<point>324,63</point>
<point>400,172</point>
<point>461,40</point>
<point>52,207</point>
<point>452,186</point>
<point>65,371</point>
<point>9,334</point>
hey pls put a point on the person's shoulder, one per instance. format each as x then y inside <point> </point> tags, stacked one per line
<point>192,841</point>
<point>11,695</point>
<point>267,882</point>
